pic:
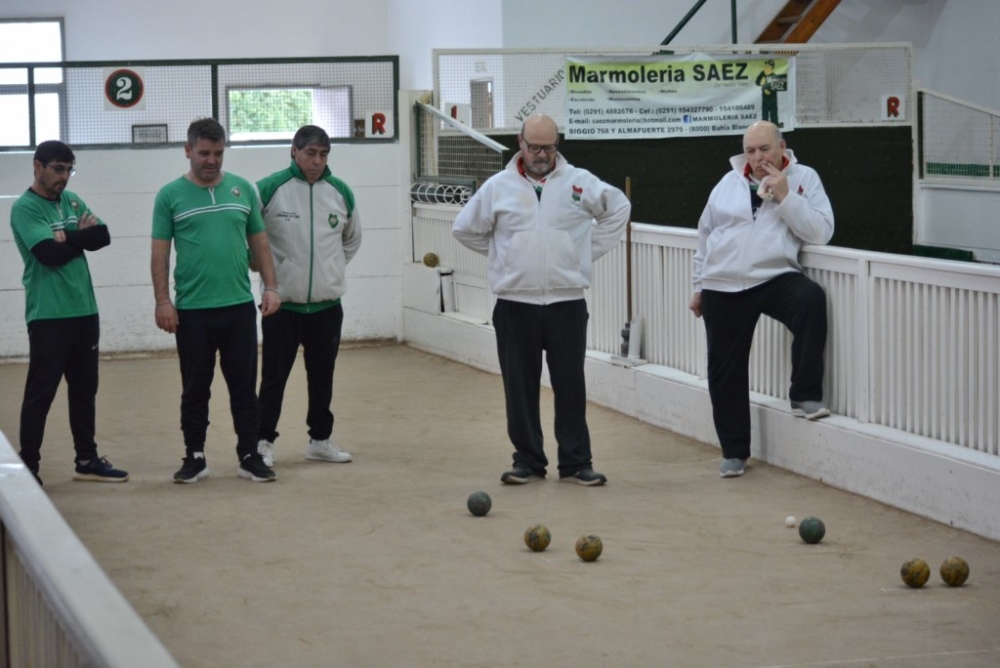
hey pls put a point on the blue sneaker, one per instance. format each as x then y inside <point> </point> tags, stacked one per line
<point>99,470</point>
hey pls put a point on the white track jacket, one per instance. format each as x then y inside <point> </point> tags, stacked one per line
<point>737,251</point>
<point>540,249</point>
<point>314,231</point>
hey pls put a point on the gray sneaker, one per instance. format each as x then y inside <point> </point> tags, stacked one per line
<point>588,477</point>
<point>326,451</point>
<point>810,410</point>
<point>732,468</point>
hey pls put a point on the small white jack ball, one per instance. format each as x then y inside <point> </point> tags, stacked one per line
<point>790,521</point>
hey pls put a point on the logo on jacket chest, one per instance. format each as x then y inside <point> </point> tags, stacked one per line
<point>333,220</point>
<point>286,216</point>
<point>576,194</point>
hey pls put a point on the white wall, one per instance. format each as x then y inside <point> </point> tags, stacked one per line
<point>955,45</point>
<point>955,52</point>
<point>626,23</point>
<point>120,186</point>
<point>112,29</point>
<point>415,29</point>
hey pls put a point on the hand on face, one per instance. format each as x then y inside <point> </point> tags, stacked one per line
<point>775,183</point>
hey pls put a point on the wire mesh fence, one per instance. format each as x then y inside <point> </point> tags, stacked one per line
<point>107,104</point>
<point>957,140</point>
<point>452,161</point>
<point>492,91</point>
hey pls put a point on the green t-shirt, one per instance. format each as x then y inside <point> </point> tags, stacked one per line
<point>66,291</point>
<point>209,228</point>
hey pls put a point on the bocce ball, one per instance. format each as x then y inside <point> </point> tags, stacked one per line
<point>479,503</point>
<point>915,573</point>
<point>589,547</point>
<point>812,530</point>
<point>954,571</point>
<point>537,537</point>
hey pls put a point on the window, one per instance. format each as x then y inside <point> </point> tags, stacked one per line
<point>276,113</point>
<point>30,41</point>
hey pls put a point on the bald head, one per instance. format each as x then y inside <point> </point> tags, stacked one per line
<point>763,130</point>
<point>763,145</point>
<point>539,140</point>
<point>542,125</point>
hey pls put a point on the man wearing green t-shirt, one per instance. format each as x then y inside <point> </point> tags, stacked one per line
<point>52,229</point>
<point>212,216</point>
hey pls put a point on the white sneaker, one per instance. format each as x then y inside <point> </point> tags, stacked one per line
<point>266,450</point>
<point>326,451</point>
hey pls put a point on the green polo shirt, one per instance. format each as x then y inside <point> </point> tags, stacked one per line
<point>66,291</point>
<point>209,228</point>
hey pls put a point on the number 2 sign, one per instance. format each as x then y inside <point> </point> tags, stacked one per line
<point>124,89</point>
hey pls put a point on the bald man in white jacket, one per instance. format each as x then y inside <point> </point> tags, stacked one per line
<point>749,236</point>
<point>542,222</point>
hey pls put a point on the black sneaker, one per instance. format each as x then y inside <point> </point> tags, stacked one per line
<point>253,468</point>
<point>587,477</point>
<point>99,470</point>
<point>193,469</point>
<point>519,476</point>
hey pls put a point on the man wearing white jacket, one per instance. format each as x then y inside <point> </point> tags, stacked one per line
<point>749,236</point>
<point>542,222</point>
<point>314,229</point>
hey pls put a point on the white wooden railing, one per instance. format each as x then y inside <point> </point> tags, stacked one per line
<point>913,344</point>
<point>58,607</point>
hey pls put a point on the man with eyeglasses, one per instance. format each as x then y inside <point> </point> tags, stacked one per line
<point>53,228</point>
<point>542,222</point>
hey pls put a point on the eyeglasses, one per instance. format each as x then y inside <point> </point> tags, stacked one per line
<point>535,149</point>
<point>62,169</point>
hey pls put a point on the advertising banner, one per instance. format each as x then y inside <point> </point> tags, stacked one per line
<point>693,95</point>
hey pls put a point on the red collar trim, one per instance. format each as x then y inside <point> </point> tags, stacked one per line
<point>520,170</point>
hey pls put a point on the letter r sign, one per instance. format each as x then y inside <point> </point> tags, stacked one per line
<point>379,125</point>
<point>893,108</point>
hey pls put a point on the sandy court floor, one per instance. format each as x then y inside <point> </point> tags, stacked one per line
<point>378,562</point>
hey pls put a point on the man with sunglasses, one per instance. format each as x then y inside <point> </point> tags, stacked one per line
<point>53,228</point>
<point>542,222</point>
<point>750,235</point>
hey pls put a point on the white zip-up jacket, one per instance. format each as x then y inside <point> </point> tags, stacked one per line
<point>736,250</point>
<point>314,231</point>
<point>540,248</point>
